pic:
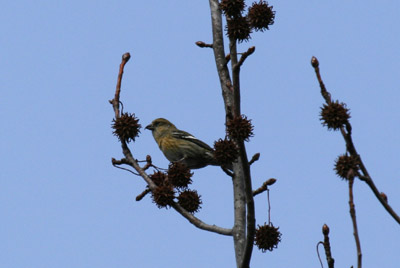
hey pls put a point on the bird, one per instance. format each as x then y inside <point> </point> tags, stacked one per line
<point>181,146</point>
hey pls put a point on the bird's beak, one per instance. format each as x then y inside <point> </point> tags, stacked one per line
<point>150,127</point>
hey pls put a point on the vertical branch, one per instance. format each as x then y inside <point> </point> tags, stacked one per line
<point>353,219</point>
<point>239,228</point>
<point>115,101</point>
<point>325,94</point>
<point>251,221</point>
<point>243,163</point>
<point>219,54</point>
<point>269,208</point>
<point>346,133</point>
<point>327,246</point>
<point>244,227</point>
<point>235,76</point>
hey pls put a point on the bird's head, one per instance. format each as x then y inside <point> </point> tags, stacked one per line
<point>160,127</point>
<point>159,122</point>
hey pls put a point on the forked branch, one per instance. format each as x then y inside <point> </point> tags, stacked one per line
<point>346,133</point>
<point>131,161</point>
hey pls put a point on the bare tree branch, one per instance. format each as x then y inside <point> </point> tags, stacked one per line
<point>115,101</point>
<point>199,224</point>
<point>353,218</point>
<point>264,186</point>
<point>346,133</point>
<point>219,54</point>
<point>143,194</point>
<point>131,161</point>
<point>254,158</point>
<point>243,164</point>
<point>235,77</point>
<point>327,246</point>
<point>244,56</point>
<point>239,228</point>
<point>319,257</point>
<point>191,218</point>
<point>202,44</point>
<point>244,227</point>
<point>148,162</point>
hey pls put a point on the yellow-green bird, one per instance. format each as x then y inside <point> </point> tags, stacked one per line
<point>181,146</point>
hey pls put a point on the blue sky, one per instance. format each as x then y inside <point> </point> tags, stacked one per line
<point>64,205</point>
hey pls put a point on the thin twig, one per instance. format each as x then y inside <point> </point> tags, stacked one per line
<point>353,218</point>
<point>264,186</point>
<point>319,256</point>
<point>119,162</point>
<point>227,171</point>
<point>115,101</point>
<point>227,58</point>
<point>381,199</point>
<point>245,55</point>
<point>127,169</point>
<point>346,133</point>
<point>143,194</point>
<point>269,208</point>
<point>148,163</point>
<point>254,158</point>
<point>327,246</point>
<point>202,44</point>
<point>325,94</point>
<point>199,224</point>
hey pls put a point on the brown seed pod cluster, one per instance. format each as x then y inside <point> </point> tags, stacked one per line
<point>334,115</point>
<point>159,178</point>
<point>163,195</point>
<point>240,128</point>
<point>239,29</point>
<point>176,180</point>
<point>126,127</point>
<point>225,151</point>
<point>232,8</point>
<point>261,16</point>
<point>344,164</point>
<point>190,200</point>
<point>179,175</point>
<point>267,237</point>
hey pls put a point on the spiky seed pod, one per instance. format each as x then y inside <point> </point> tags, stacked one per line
<point>225,151</point>
<point>190,200</point>
<point>163,195</point>
<point>334,115</point>
<point>239,29</point>
<point>240,128</point>
<point>232,8</point>
<point>267,237</point>
<point>179,175</point>
<point>126,127</point>
<point>159,178</point>
<point>344,164</point>
<point>261,16</point>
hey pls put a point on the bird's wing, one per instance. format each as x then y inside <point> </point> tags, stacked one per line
<point>179,134</point>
